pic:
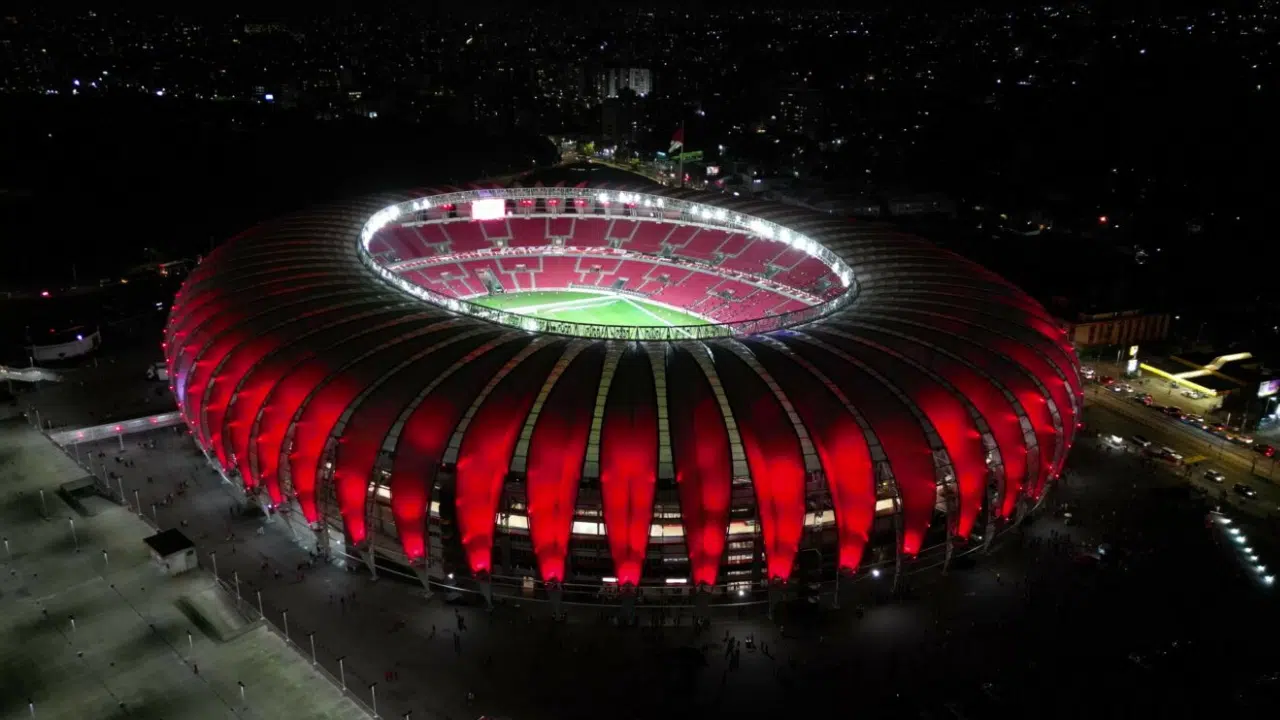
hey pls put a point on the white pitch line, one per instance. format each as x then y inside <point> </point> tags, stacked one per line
<point>561,304</point>
<point>585,306</point>
<point>655,316</point>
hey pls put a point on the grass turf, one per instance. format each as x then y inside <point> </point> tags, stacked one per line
<point>592,308</point>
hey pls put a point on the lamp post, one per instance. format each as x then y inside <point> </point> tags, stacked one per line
<point>76,540</point>
<point>373,695</point>
<point>312,637</point>
<point>213,555</point>
<point>285,614</point>
<point>342,672</point>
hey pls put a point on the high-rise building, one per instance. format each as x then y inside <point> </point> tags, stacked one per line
<point>611,81</point>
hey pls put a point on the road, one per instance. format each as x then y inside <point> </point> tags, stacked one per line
<point>1111,414</point>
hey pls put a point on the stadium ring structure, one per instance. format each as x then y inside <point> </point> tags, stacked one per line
<point>856,399</point>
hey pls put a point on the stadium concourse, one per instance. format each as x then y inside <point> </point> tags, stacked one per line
<point>856,402</point>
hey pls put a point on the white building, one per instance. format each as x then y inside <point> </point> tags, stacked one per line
<point>611,81</point>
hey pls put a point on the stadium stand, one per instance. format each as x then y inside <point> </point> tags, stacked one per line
<point>649,237</point>
<point>700,287</point>
<point>465,237</point>
<point>753,257</point>
<point>590,232</point>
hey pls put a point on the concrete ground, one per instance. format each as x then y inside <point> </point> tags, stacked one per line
<point>1038,621</point>
<point>89,628</point>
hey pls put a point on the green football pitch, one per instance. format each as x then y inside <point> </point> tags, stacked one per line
<point>591,308</point>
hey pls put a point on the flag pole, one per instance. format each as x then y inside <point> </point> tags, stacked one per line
<point>681,171</point>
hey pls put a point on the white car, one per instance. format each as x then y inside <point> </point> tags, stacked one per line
<point>1214,476</point>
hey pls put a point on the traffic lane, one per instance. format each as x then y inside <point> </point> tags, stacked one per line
<point>1108,423</point>
<point>1160,390</point>
<point>1258,519</point>
<point>1204,443</point>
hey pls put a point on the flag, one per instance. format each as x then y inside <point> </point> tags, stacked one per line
<point>677,140</point>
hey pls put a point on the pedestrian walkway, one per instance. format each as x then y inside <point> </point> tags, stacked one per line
<point>90,628</point>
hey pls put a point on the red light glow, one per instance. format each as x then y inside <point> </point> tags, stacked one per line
<point>425,436</point>
<point>556,452</point>
<point>629,464</point>
<point>845,456</point>
<point>773,454</point>
<point>485,454</point>
<point>700,448</point>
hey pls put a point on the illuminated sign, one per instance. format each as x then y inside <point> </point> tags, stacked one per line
<point>1133,351</point>
<point>1132,366</point>
<point>489,209</point>
<point>1268,388</point>
<point>713,170</point>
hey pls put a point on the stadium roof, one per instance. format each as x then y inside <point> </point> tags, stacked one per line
<point>937,374</point>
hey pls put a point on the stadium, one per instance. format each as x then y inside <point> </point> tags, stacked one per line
<point>604,391</point>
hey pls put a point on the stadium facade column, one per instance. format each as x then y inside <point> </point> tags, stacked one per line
<point>420,571</point>
<point>702,603</point>
<point>555,593</point>
<point>995,499</point>
<point>627,610</point>
<point>844,582</point>
<point>777,591</point>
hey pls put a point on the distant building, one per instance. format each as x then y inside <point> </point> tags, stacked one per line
<point>1130,327</point>
<point>922,204</point>
<point>611,81</point>
<point>617,122</point>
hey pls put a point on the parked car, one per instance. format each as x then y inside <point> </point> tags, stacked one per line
<point>1264,450</point>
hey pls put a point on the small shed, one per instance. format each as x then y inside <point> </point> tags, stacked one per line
<point>172,551</point>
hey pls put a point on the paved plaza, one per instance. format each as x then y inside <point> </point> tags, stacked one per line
<point>90,628</point>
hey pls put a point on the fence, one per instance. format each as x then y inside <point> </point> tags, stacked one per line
<point>251,613</point>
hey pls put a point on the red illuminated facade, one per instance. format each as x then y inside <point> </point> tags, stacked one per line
<point>929,410</point>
